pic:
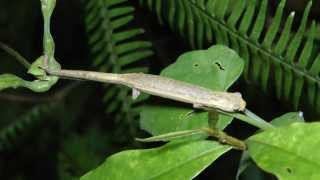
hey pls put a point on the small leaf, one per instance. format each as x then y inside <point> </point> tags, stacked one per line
<point>43,82</point>
<point>289,152</point>
<point>10,81</point>
<point>216,68</point>
<point>172,161</point>
<point>35,69</point>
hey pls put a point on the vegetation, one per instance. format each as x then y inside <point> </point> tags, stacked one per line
<point>58,129</point>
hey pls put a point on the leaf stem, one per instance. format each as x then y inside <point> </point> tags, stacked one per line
<point>221,136</point>
<point>250,118</point>
<point>15,54</point>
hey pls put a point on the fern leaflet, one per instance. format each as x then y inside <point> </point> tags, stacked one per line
<point>114,49</point>
<point>280,57</point>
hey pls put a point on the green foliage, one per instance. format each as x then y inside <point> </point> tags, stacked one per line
<point>288,151</point>
<point>220,65</point>
<point>114,48</point>
<point>274,55</point>
<point>47,7</point>
<point>9,80</point>
<point>82,152</point>
<point>172,161</point>
<point>246,161</point>
<point>288,119</point>
<point>42,84</point>
<point>178,160</point>
<point>19,130</point>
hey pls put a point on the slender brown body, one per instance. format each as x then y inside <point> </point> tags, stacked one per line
<point>165,87</point>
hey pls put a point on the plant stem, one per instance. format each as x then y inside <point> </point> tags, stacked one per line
<point>225,138</point>
<point>221,136</point>
<point>47,7</point>
<point>57,96</point>
<point>250,118</point>
<point>15,54</point>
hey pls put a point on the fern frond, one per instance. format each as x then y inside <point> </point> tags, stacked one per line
<point>275,55</point>
<point>18,131</point>
<point>114,49</point>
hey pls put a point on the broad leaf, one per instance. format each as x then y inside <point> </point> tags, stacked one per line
<point>288,151</point>
<point>246,162</point>
<point>172,161</point>
<point>216,68</point>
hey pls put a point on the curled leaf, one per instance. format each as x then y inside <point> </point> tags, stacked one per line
<point>9,81</point>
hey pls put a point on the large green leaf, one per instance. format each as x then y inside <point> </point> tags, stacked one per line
<point>246,162</point>
<point>172,161</point>
<point>289,152</point>
<point>216,68</point>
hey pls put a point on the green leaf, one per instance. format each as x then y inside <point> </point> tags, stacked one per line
<point>288,119</point>
<point>216,68</point>
<point>42,84</point>
<point>9,81</point>
<point>172,161</point>
<point>284,120</point>
<point>36,70</point>
<point>289,152</point>
<point>12,81</point>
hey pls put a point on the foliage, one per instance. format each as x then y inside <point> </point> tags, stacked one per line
<point>246,161</point>
<point>220,65</point>
<point>292,148</point>
<point>182,161</point>
<point>257,144</point>
<point>42,84</point>
<point>115,48</point>
<point>82,152</point>
<point>19,130</point>
<point>286,147</point>
<point>275,55</point>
